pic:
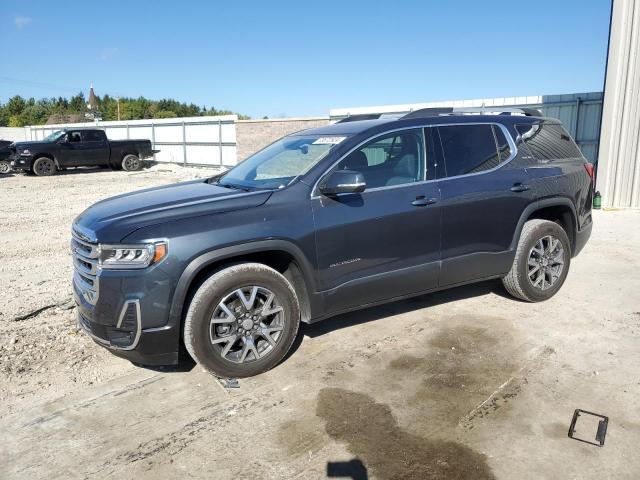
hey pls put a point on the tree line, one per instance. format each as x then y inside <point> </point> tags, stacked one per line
<point>18,111</point>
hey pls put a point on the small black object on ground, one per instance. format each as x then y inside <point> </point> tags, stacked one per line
<point>601,430</point>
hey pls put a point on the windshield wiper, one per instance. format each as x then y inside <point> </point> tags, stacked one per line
<point>235,186</point>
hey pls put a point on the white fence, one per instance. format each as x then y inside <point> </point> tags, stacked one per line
<point>15,134</point>
<point>206,141</point>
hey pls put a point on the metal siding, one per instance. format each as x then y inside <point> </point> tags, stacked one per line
<point>619,171</point>
<point>189,141</point>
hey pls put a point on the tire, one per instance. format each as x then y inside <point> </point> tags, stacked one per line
<point>5,167</point>
<point>224,347</point>
<point>536,249</point>
<point>131,163</point>
<point>44,167</point>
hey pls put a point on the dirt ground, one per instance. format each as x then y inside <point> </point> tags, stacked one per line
<point>466,383</point>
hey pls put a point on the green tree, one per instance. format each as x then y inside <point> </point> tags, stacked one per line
<point>165,114</point>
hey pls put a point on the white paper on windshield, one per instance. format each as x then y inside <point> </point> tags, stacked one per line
<point>328,140</point>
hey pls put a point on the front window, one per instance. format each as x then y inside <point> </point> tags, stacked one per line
<point>277,165</point>
<point>52,137</point>
<point>392,159</point>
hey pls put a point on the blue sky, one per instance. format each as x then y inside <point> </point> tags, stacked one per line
<point>303,58</point>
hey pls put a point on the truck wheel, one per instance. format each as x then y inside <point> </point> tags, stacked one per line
<point>131,163</point>
<point>541,263</point>
<point>44,167</point>
<point>5,167</point>
<point>242,320</point>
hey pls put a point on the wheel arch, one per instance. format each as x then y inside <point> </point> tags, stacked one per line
<point>281,255</point>
<point>558,209</point>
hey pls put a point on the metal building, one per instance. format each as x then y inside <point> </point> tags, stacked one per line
<point>619,169</point>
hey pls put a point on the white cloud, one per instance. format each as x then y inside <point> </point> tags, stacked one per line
<point>21,21</point>
<point>108,53</point>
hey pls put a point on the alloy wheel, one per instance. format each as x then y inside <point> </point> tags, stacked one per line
<point>546,262</point>
<point>247,324</point>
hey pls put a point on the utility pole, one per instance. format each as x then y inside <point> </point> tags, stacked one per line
<point>118,102</point>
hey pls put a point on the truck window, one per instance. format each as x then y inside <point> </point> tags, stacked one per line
<point>469,149</point>
<point>93,136</point>
<point>74,137</point>
<point>548,141</point>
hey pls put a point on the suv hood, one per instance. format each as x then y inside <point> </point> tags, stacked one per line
<point>113,219</point>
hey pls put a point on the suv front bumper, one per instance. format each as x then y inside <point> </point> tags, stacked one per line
<point>128,315</point>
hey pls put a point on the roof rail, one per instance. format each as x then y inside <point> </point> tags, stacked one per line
<point>529,112</point>
<point>428,112</point>
<point>434,112</point>
<point>356,118</point>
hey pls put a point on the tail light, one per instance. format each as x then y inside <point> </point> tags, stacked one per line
<point>591,171</point>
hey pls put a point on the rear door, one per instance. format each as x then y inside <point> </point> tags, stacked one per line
<point>483,195</point>
<point>384,242</point>
<point>94,148</point>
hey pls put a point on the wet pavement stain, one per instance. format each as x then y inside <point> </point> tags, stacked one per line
<point>372,434</point>
<point>462,366</point>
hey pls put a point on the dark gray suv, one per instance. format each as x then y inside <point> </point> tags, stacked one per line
<point>327,221</point>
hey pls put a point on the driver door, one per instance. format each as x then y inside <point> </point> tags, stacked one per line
<point>384,242</point>
<point>71,151</point>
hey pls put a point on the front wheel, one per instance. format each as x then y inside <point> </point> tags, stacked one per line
<point>541,263</point>
<point>242,320</point>
<point>131,163</point>
<point>43,167</point>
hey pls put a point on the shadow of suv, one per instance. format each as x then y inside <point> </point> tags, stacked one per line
<point>326,221</point>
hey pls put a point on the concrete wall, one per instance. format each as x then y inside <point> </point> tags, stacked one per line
<point>619,160</point>
<point>13,134</point>
<point>252,135</point>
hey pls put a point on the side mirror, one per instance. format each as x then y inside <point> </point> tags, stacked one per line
<point>343,181</point>
<point>64,139</point>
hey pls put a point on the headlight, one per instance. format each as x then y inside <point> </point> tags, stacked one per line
<point>131,256</point>
<point>26,152</point>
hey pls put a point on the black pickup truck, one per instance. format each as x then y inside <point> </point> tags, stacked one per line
<point>80,147</point>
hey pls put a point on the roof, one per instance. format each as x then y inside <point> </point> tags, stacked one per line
<point>361,126</point>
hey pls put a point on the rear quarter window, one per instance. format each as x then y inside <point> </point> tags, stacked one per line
<point>470,148</point>
<point>548,141</point>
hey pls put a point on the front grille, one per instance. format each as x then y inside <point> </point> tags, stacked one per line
<point>85,262</point>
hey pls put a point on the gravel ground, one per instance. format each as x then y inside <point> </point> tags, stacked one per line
<point>41,350</point>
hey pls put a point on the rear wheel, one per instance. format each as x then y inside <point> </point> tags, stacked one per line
<point>541,263</point>
<point>5,167</point>
<point>242,320</point>
<point>131,163</point>
<point>43,167</point>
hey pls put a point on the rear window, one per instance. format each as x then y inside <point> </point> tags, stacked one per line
<point>469,148</point>
<point>548,141</point>
<point>93,136</point>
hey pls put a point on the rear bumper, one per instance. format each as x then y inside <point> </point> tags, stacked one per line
<point>582,237</point>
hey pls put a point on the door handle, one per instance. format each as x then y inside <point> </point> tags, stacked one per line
<point>421,201</point>
<point>519,187</point>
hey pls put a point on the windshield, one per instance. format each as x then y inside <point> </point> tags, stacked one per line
<point>278,164</point>
<point>53,136</point>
